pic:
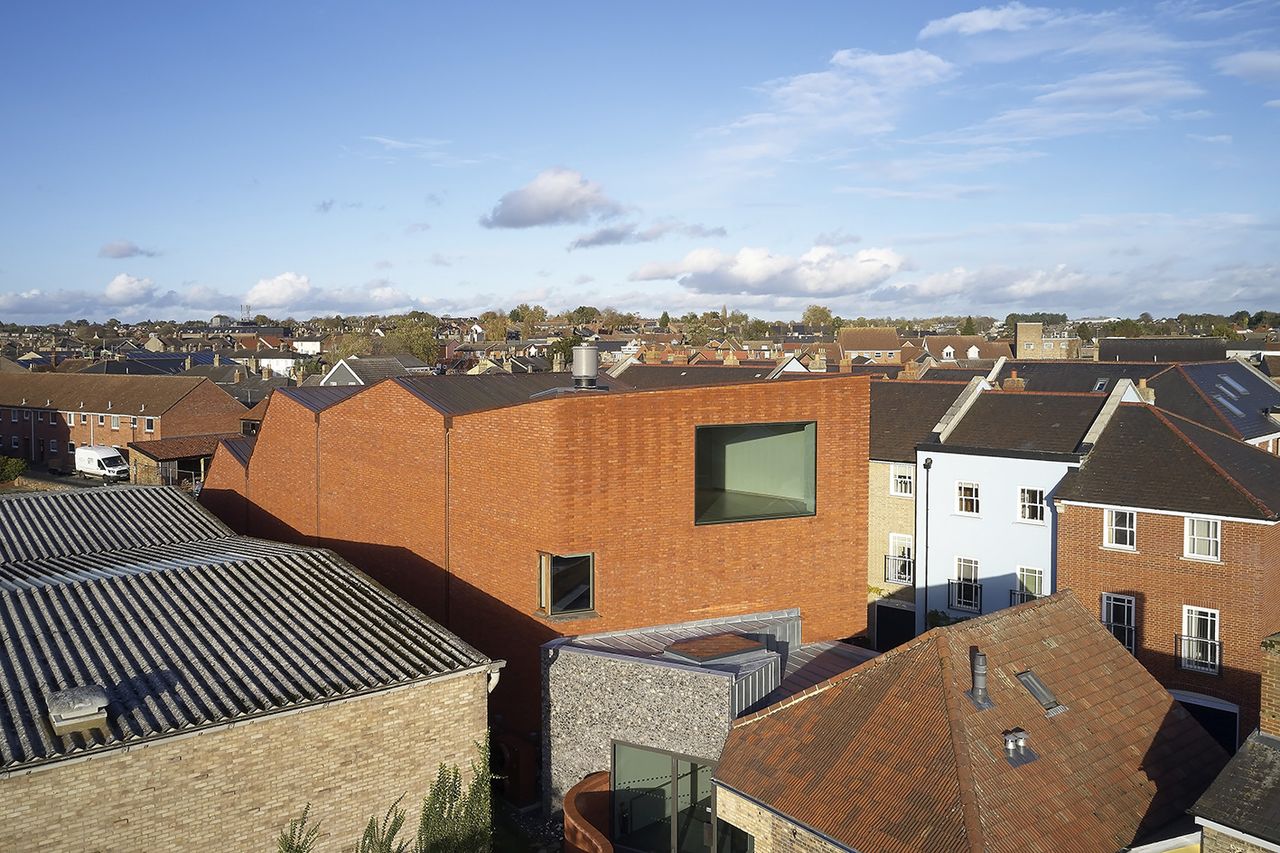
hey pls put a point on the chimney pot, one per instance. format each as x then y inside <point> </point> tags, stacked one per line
<point>586,366</point>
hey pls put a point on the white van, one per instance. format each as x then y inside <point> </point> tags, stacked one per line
<point>101,461</point>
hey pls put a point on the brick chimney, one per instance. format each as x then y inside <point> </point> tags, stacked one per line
<point>188,362</point>
<point>217,359</point>
<point>1013,383</point>
<point>911,370</point>
<point>1269,719</point>
<point>731,359</point>
<point>846,365</point>
<point>819,363</point>
<point>1147,393</point>
<point>680,358</point>
<point>266,373</point>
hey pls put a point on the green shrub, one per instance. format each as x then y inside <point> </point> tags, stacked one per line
<point>11,468</point>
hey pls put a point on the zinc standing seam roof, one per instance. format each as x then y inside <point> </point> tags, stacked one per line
<point>196,630</point>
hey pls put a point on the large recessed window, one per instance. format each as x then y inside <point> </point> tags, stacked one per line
<point>755,471</point>
<point>566,584</point>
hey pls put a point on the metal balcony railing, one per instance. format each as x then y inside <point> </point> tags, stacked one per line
<point>899,569</point>
<point>964,595</point>
<point>1020,596</point>
<point>1196,654</point>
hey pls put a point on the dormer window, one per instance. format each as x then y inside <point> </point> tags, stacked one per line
<point>949,353</point>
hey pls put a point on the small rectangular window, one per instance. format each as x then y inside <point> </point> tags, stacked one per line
<point>1031,505</point>
<point>1121,529</point>
<point>133,422</point>
<point>1101,385</point>
<point>71,418</point>
<point>115,422</point>
<point>71,447</point>
<point>1202,539</point>
<point>40,417</point>
<point>150,425</point>
<point>967,502</point>
<point>902,479</point>
<point>53,445</point>
<point>1119,614</point>
<point>1030,583</point>
<point>13,415</point>
<point>13,441</point>
<point>26,415</point>
<point>102,420</point>
<point>566,584</point>
<point>84,418</point>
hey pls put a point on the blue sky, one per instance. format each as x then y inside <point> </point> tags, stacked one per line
<point>882,159</point>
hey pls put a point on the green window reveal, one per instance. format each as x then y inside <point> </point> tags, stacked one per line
<point>747,472</point>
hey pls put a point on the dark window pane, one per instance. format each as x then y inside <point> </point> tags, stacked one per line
<point>571,582</point>
<point>730,839</point>
<point>642,798</point>
<point>755,471</point>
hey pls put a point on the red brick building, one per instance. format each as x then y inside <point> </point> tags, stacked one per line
<point>515,510</point>
<point>1170,529</point>
<point>45,416</point>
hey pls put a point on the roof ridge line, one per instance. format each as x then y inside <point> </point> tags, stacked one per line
<point>960,753</point>
<point>1213,406</point>
<point>1212,464</point>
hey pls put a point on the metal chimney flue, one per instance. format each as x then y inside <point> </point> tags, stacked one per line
<point>979,692</point>
<point>586,366</point>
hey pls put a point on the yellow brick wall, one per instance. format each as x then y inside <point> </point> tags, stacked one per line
<point>1212,841</point>
<point>772,834</point>
<point>886,514</point>
<point>235,789</point>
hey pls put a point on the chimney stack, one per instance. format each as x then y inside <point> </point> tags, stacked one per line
<point>731,359</point>
<point>188,362</point>
<point>819,363</point>
<point>586,366</point>
<point>1147,393</point>
<point>266,372</point>
<point>1269,719</point>
<point>846,365</point>
<point>1013,383</point>
<point>217,359</point>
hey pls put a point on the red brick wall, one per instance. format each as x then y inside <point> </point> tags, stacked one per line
<point>1243,588</point>
<point>381,482</point>
<point>205,409</point>
<point>281,499</point>
<point>224,490</point>
<point>611,475</point>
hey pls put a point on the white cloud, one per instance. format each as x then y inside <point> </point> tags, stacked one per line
<point>281,291</point>
<point>1273,104</point>
<point>555,197</point>
<point>859,93</point>
<point>1097,102</point>
<point>821,271</point>
<point>1217,139</point>
<point>836,237</point>
<point>1011,17</point>
<point>630,232</point>
<point>129,290</point>
<point>1256,66</point>
<point>932,192</point>
<point>125,249</point>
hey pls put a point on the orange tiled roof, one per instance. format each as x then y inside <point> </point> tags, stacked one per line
<point>893,755</point>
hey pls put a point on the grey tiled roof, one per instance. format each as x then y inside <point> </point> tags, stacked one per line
<point>1246,794</point>
<point>188,633</point>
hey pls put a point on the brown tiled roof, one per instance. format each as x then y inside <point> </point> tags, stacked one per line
<point>870,339</point>
<point>89,392</point>
<point>893,755</point>
<point>935,344</point>
<point>258,412</point>
<point>715,646</point>
<point>903,414</point>
<point>1027,422</point>
<point>1152,459</point>
<point>180,447</point>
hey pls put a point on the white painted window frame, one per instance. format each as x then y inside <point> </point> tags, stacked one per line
<point>1189,538</point>
<point>1023,506</point>
<point>1109,527</point>
<point>976,498</point>
<point>898,470</point>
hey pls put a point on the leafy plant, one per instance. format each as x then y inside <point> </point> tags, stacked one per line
<point>298,837</point>
<point>381,837</point>
<point>11,468</point>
